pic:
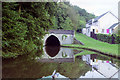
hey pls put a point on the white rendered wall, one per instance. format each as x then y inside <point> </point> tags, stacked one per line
<point>106,21</point>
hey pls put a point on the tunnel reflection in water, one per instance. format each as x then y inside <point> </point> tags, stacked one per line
<point>52,50</point>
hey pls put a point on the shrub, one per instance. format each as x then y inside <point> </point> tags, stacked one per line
<point>112,39</point>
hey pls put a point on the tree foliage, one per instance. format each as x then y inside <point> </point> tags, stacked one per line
<point>24,26</point>
<point>25,23</point>
<point>70,17</point>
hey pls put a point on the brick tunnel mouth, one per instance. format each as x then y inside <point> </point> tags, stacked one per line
<point>52,41</point>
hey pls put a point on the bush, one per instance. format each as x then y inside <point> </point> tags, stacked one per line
<point>112,39</point>
<point>23,27</point>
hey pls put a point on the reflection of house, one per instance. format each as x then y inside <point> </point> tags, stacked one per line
<point>91,60</point>
<point>104,69</point>
<point>92,74</point>
<point>104,24</point>
<point>86,58</point>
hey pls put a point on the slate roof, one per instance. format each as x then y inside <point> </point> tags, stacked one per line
<point>97,18</point>
<point>90,21</point>
<point>62,31</point>
<point>114,25</point>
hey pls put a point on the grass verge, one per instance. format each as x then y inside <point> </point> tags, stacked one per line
<point>91,43</point>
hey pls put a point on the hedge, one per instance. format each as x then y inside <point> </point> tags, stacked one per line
<point>112,39</point>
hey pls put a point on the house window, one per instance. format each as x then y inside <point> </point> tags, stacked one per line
<point>88,30</point>
<point>97,30</point>
<point>112,30</point>
<point>102,30</point>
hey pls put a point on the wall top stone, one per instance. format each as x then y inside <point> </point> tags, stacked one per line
<point>61,31</point>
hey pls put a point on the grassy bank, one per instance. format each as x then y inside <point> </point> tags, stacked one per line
<point>85,52</point>
<point>96,45</point>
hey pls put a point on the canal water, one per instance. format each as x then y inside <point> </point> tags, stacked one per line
<point>64,61</point>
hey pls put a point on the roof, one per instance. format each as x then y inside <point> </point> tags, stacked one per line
<point>62,31</point>
<point>114,25</point>
<point>90,21</point>
<point>97,18</point>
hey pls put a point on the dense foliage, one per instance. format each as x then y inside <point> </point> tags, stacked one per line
<point>112,39</point>
<point>70,17</point>
<point>24,26</point>
<point>25,23</point>
<point>118,32</point>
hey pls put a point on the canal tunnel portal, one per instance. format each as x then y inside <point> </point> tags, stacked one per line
<point>52,41</point>
<point>58,37</point>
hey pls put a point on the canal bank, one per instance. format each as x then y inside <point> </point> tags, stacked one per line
<point>93,50</point>
<point>95,45</point>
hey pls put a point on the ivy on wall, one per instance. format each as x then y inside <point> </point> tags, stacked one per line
<point>64,55</point>
<point>64,37</point>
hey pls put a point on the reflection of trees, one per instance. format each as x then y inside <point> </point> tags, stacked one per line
<point>73,70</point>
<point>21,68</point>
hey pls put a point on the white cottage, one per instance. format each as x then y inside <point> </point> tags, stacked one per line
<point>103,24</point>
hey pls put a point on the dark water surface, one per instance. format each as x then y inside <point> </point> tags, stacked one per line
<point>63,61</point>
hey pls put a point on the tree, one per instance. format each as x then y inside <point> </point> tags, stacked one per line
<point>24,25</point>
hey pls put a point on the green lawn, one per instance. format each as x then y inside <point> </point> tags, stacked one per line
<point>96,45</point>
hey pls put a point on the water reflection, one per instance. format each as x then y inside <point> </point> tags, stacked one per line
<point>84,66</point>
<point>101,67</point>
<point>52,50</point>
<point>19,68</point>
<point>57,54</point>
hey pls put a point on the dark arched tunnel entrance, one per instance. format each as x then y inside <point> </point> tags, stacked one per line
<point>52,46</point>
<point>52,41</point>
